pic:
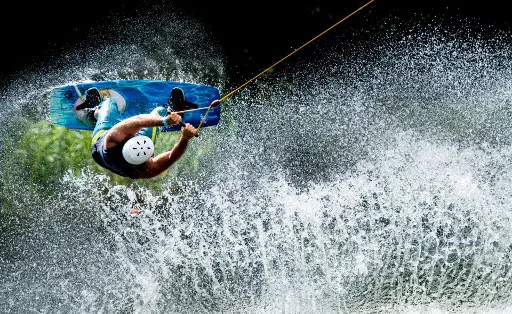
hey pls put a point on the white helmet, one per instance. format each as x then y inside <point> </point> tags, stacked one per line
<point>138,149</point>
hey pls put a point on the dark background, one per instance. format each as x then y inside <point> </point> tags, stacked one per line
<point>254,34</point>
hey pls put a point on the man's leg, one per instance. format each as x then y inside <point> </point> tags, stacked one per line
<point>107,115</point>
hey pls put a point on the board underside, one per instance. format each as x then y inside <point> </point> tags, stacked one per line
<point>140,96</point>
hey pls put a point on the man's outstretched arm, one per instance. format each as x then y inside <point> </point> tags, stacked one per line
<point>160,163</point>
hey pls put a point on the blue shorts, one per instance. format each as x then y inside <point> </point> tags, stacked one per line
<point>112,159</point>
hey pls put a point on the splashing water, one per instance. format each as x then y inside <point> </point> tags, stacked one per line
<point>363,183</point>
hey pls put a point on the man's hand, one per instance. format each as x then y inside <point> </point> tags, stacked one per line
<point>173,118</point>
<point>188,131</point>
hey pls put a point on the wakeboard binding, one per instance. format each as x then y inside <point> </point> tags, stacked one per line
<point>92,99</point>
<point>177,101</point>
<point>85,111</point>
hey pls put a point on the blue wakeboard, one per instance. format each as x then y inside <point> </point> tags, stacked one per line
<point>136,97</point>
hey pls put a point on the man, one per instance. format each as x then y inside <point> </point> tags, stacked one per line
<point>126,147</point>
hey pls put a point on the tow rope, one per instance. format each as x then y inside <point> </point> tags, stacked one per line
<point>273,65</point>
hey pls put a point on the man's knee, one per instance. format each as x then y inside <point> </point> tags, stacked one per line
<point>160,111</point>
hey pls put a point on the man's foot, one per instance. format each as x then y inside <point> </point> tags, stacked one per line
<point>177,101</point>
<point>177,96</point>
<point>92,99</point>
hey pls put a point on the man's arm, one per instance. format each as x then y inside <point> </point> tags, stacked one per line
<point>129,127</point>
<point>160,163</point>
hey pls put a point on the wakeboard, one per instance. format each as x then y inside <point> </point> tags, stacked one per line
<point>133,97</point>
